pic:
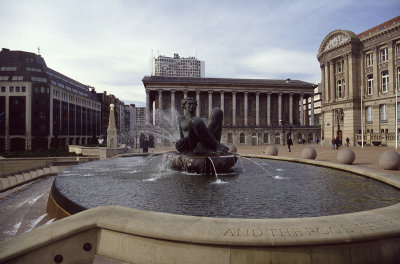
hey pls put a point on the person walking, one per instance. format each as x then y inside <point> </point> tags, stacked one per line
<point>146,144</point>
<point>289,143</point>
<point>333,143</point>
<point>348,141</point>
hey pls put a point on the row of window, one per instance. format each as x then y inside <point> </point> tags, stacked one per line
<point>384,81</point>
<point>383,55</point>
<point>38,79</point>
<point>12,89</point>
<point>75,99</point>
<point>383,113</point>
<point>8,68</point>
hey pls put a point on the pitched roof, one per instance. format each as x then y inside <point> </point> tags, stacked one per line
<point>380,26</point>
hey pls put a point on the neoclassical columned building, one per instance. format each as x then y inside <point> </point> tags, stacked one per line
<point>256,111</point>
<point>358,77</point>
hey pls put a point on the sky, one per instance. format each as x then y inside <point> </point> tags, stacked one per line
<point>108,44</point>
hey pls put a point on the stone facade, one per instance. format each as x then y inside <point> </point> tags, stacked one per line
<point>255,111</point>
<point>358,76</point>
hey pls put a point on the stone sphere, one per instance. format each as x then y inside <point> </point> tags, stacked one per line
<point>232,148</point>
<point>389,160</point>
<point>271,150</point>
<point>346,156</point>
<point>308,153</point>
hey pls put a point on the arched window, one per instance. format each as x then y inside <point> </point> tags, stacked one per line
<point>242,138</point>
<point>266,138</point>
<point>230,138</point>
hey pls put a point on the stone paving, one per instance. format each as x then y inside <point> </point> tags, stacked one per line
<point>367,157</point>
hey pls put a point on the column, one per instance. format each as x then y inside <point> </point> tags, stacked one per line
<point>326,83</point>
<point>280,108</point>
<point>185,93</point>
<point>234,108</point>
<point>209,102</point>
<point>332,85</point>
<point>306,115</point>
<point>245,108</point>
<point>301,110</point>
<point>198,102</point>
<point>147,107</point>
<point>7,123</point>
<point>346,78</point>
<point>312,110</point>
<point>323,82</point>
<point>173,110</point>
<point>268,109</point>
<point>291,109</point>
<point>160,106</point>
<point>257,108</point>
<point>222,100</point>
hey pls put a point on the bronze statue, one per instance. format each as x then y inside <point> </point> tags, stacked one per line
<point>196,137</point>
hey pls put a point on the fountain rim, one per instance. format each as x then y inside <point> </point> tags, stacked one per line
<point>358,226</point>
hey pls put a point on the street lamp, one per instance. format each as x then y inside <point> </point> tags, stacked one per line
<point>339,116</point>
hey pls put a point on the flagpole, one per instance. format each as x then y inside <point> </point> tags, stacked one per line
<point>397,134</point>
<point>362,120</point>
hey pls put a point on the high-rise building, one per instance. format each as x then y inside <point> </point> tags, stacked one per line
<point>178,67</point>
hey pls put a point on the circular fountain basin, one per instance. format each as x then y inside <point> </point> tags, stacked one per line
<point>337,222</point>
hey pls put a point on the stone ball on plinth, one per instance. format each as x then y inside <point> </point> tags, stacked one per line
<point>346,156</point>
<point>271,150</point>
<point>389,160</point>
<point>309,153</point>
<point>232,148</point>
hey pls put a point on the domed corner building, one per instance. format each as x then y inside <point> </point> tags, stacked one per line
<point>42,108</point>
<point>359,72</point>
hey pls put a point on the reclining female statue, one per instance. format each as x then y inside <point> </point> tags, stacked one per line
<point>196,137</point>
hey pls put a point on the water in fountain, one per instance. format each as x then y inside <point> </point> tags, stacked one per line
<point>166,127</point>
<point>250,193</point>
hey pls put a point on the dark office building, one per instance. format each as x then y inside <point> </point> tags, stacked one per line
<point>41,108</point>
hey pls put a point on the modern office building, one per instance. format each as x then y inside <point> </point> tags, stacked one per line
<point>256,111</point>
<point>359,73</point>
<point>140,116</point>
<point>42,107</point>
<point>178,67</point>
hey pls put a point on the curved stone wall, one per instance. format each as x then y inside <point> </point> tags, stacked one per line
<point>137,236</point>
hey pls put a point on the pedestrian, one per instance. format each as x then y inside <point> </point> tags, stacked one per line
<point>337,142</point>
<point>317,140</point>
<point>289,143</point>
<point>347,141</point>
<point>333,143</point>
<point>146,144</point>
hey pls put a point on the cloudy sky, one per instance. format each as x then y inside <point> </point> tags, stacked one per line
<point>108,44</point>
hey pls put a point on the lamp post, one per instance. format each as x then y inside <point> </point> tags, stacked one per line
<point>339,115</point>
<point>397,112</point>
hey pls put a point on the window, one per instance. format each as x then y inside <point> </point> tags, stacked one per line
<point>266,137</point>
<point>339,66</point>
<point>369,59</point>
<point>370,84</point>
<point>3,89</point>
<point>384,54</point>
<point>368,114</point>
<point>23,89</point>
<point>3,78</point>
<point>339,89</point>
<point>230,138</point>
<point>17,89</point>
<point>17,78</point>
<point>398,112</point>
<point>242,138</point>
<point>42,90</point>
<point>383,113</point>
<point>11,89</point>
<point>385,81</point>
<point>398,78</point>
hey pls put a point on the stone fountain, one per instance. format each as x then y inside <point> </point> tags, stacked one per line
<point>199,149</point>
